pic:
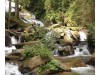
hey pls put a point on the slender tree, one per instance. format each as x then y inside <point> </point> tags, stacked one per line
<point>9,13</point>
<point>16,8</point>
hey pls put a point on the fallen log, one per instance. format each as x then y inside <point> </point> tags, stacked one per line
<point>27,43</point>
<point>15,33</point>
<point>11,32</point>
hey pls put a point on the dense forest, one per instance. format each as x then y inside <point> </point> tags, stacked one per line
<point>50,37</point>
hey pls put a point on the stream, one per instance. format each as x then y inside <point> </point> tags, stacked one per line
<point>80,50</point>
<point>12,69</point>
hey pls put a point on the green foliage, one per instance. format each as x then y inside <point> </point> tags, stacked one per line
<point>82,12</point>
<point>40,31</point>
<point>54,8</point>
<point>36,50</point>
<point>91,36</point>
<point>24,3</point>
<point>53,16</point>
<point>37,8</point>
<point>35,33</point>
<point>48,42</point>
<point>51,65</point>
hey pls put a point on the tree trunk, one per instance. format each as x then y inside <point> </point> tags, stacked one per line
<point>62,14</point>
<point>16,9</point>
<point>9,13</point>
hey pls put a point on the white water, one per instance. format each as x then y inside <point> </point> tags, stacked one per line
<point>83,52</point>
<point>12,6</point>
<point>8,50</point>
<point>38,23</point>
<point>31,20</point>
<point>82,45</point>
<point>82,36</point>
<point>15,41</point>
<point>88,70</point>
<point>11,69</point>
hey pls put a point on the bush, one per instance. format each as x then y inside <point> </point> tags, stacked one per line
<point>49,43</point>
<point>36,50</point>
<point>51,65</point>
<point>91,36</point>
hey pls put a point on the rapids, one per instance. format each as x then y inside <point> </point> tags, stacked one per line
<point>11,69</point>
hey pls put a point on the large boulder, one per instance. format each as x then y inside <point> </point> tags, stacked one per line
<point>8,42</point>
<point>91,61</point>
<point>30,64</point>
<point>68,50</point>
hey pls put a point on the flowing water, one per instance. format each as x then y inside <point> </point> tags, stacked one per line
<point>31,20</point>
<point>7,6</point>
<point>80,50</point>
<point>8,50</point>
<point>11,69</point>
<point>88,70</point>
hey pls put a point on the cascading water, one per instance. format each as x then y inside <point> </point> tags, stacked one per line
<point>8,50</point>
<point>31,20</point>
<point>80,50</point>
<point>88,70</point>
<point>11,69</point>
<point>13,40</point>
<point>82,36</point>
<point>12,6</point>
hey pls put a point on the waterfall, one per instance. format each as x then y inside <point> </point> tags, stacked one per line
<point>11,69</point>
<point>30,20</point>
<point>8,50</point>
<point>80,50</point>
<point>82,36</point>
<point>15,41</point>
<point>12,6</point>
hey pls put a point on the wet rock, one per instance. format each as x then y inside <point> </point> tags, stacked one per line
<point>68,50</point>
<point>71,62</point>
<point>8,41</point>
<point>25,70</point>
<point>32,63</point>
<point>15,55</point>
<point>17,52</point>
<point>80,50</point>
<point>12,58</point>
<point>91,61</point>
<point>91,50</point>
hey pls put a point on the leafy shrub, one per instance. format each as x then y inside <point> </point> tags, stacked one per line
<point>91,36</point>
<point>51,65</point>
<point>49,43</point>
<point>36,50</point>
